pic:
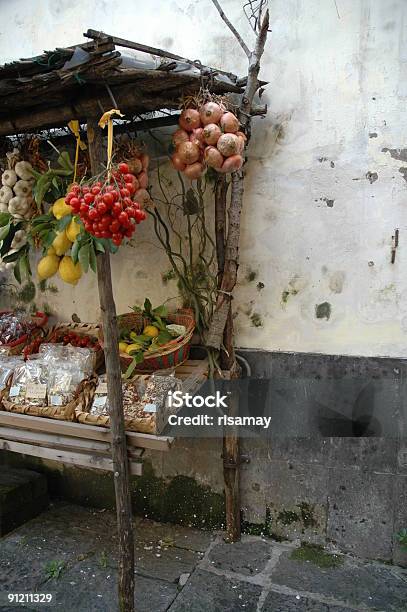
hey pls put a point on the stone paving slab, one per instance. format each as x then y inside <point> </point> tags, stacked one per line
<point>277,602</point>
<point>180,569</point>
<point>207,592</point>
<point>359,584</point>
<point>248,557</point>
<point>88,587</point>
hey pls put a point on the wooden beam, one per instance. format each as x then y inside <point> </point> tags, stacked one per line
<point>78,430</point>
<point>86,460</point>
<point>115,399</point>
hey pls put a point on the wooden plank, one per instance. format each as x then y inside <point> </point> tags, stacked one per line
<point>91,432</point>
<point>39,438</point>
<point>74,458</point>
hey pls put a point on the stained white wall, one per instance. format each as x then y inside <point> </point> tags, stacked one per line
<point>323,197</point>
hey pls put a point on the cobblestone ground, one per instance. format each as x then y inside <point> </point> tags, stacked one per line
<point>71,552</point>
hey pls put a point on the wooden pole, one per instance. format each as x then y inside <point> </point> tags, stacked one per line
<point>114,386</point>
<point>231,446</point>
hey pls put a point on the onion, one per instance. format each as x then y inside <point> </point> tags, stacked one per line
<point>213,157</point>
<point>189,120</point>
<point>179,136</point>
<point>142,197</point>
<point>196,137</point>
<point>212,133</point>
<point>228,144</point>
<point>145,160</point>
<point>229,122</point>
<point>232,163</point>
<point>242,141</point>
<point>177,163</point>
<point>188,152</point>
<point>194,171</point>
<point>210,113</point>
<point>135,165</point>
<point>143,180</point>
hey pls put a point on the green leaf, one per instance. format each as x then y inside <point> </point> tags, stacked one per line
<point>4,232</point>
<point>25,268</point>
<point>75,251</point>
<point>147,307</point>
<point>5,219</point>
<point>142,338</point>
<point>64,222</point>
<point>163,337</point>
<point>6,244</point>
<point>160,311</point>
<point>99,246</point>
<point>159,323</point>
<point>17,272</point>
<point>65,161</point>
<point>84,257</point>
<point>62,172</point>
<point>48,239</point>
<point>137,358</point>
<point>13,256</point>
<point>41,188</point>
<point>92,258</point>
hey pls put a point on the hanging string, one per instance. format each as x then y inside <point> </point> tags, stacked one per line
<point>74,127</point>
<point>106,119</point>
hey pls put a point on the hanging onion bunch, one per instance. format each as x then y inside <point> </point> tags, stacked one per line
<point>207,137</point>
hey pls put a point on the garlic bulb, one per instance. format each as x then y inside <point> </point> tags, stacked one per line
<point>9,178</point>
<point>18,205</point>
<point>3,207</point>
<point>6,193</point>
<point>23,188</point>
<point>24,170</point>
<point>19,240</point>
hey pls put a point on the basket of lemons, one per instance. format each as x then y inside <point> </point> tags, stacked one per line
<point>154,339</point>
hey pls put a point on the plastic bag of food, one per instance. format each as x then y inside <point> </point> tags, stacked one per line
<point>153,396</point>
<point>82,358</point>
<point>29,384</point>
<point>7,367</point>
<point>64,378</point>
<point>100,405</point>
<point>13,326</point>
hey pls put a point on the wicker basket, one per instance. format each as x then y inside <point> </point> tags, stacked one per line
<point>83,329</point>
<point>16,347</point>
<point>169,355</point>
<point>82,400</point>
<point>147,424</point>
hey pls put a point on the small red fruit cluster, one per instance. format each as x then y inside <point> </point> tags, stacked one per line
<point>80,341</point>
<point>107,208</point>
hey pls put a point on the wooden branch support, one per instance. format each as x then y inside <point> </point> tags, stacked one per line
<point>114,386</point>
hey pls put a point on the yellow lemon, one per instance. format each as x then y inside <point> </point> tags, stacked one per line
<point>61,243</point>
<point>123,347</point>
<point>73,230</point>
<point>151,331</point>
<point>51,251</point>
<point>47,266</point>
<point>133,348</point>
<point>60,209</point>
<point>68,271</point>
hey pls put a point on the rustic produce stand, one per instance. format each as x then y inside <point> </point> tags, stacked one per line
<point>88,446</point>
<point>82,82</point>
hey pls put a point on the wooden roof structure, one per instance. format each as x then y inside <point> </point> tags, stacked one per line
<point>76,82</point>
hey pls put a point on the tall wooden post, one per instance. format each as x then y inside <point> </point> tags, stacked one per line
<point>114,388</point>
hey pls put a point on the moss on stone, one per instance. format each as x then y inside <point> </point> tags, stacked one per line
<point>181,500</point>
<point>317,555</point>
<point>287,517</point>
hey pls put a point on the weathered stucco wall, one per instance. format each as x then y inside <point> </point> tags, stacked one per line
<point>327,171</point>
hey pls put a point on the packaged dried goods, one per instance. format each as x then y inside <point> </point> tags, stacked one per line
<point>29,384</point>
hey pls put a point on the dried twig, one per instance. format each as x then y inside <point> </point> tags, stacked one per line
<point>232,28</point>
